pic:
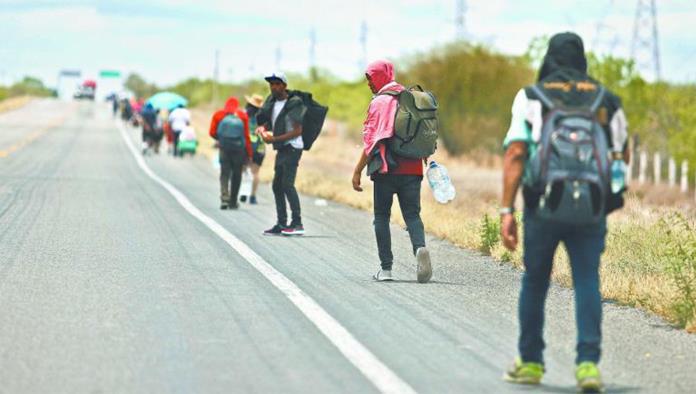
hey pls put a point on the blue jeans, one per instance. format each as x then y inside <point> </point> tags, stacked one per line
<point>585,245</point>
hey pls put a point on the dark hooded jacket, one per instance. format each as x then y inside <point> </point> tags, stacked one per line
<point>293,112</point>
<point>563,77</point>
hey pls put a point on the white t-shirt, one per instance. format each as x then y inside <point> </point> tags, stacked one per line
<point>278,106</point>
<point>179,118</point>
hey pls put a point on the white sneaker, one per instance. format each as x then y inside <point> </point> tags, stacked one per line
<point>424,269</point>
<point>383,276</point>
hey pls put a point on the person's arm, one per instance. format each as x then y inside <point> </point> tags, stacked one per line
<point>296,132</point>
<point>513,168</point>
<point>357,173</point>
<point>213,126</point>
<point>247,136</point>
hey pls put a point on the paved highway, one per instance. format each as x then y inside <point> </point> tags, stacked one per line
<point>120,274</point>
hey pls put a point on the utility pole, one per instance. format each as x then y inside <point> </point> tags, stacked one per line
<point>645,50</point>
<point>216,75</point>
<point>459,19</point>
<point>278,57</point>
<point>363,45</point>
<point>312,48</point>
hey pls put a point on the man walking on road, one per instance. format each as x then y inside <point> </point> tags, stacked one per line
<point>178,119</point>
<point>577,124</point>
<point>230,128</point>
<point>282,115</point>
<point>391,174</point>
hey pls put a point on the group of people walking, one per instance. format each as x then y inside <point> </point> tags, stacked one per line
<point>565,133</point>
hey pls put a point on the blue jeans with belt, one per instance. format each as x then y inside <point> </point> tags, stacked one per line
<point>585,245</point>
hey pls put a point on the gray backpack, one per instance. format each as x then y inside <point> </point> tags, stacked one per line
<point>415,125</point>
<point>571,170</point>
<point>230,133</point>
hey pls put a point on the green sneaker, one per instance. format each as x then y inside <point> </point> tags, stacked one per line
<point>524,373</point>
<point>589,380</point>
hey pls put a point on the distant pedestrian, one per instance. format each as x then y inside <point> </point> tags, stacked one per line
<point>580,128</point>
<point>390,173</point>
<point>254,103</point>
<point>179,118</point>
<point>280,123</point>
<point>230,128</point>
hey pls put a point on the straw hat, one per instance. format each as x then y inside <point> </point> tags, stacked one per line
<point>255,99</point>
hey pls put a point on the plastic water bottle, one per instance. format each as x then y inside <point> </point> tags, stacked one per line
<point>618,173</point>
<point>440,183</point>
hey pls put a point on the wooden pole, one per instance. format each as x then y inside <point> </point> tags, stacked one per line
<point>672,167</point>
<point>643,167</point>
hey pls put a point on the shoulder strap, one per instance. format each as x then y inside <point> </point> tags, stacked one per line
<point>543,97</point>
<point>389,93</point>
<point>598,100</point>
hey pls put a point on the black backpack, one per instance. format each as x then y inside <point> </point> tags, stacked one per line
<point>314,117</point>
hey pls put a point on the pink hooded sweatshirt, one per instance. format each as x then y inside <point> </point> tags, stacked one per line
<point>379,124</point>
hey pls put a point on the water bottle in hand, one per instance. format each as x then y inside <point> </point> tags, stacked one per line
<point>618,173</point>
<point>440,183</point>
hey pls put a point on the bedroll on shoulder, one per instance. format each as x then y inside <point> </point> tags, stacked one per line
<point>314,117</point>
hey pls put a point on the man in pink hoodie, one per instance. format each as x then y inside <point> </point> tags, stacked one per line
<point>391,174</point>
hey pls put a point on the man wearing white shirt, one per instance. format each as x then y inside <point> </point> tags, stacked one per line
<point>280,123</point>
<point>179,119</point>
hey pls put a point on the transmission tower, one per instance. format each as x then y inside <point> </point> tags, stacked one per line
<point>645,50</point>
<point>459,19</point>
<point>278,57</point>
<point>363,46</point>
<point>312,48</point>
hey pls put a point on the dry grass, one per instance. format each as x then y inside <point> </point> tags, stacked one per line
<point>13,103</point>
<point>634,268</point>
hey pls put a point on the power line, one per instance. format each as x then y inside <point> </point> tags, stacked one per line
<point>459,20</point>
<point>363,45</point>
<point>645,50</point>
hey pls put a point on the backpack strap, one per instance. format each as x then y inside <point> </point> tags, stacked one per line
<point>598,100</point>
<point>389,93</point>
<point>543,97</point>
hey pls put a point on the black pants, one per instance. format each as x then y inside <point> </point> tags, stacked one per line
<point>176,134</point>
<point>407,189</point>
<point>231,163</point>
<point>287,160</point>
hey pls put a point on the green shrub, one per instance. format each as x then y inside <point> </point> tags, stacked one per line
<point>681,267</point>
<point>489,234</point>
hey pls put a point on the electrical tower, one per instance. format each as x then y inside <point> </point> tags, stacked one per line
<point>312,48</point>
<point>460,28</point>
<point>645,50</point>
<point>278,57</point>
<point>363,45</point>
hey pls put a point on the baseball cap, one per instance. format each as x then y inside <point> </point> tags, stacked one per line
<point>277,76</point>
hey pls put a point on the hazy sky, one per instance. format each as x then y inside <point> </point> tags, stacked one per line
<point>169,40</point>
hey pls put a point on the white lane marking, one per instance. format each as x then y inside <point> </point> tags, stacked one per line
<point>374,370</point>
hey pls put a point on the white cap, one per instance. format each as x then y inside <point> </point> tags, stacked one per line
<point>277,76</point>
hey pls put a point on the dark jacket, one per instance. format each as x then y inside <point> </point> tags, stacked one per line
<point>292,113</point>
<point>563,77</point>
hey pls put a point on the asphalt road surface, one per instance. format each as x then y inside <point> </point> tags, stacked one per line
<point>121,274</point>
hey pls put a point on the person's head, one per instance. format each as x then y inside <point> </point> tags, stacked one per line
<point>565,51</point>
<point>231,104</point>
<point>254,102</point>
<point>378,74</point>
<point>278,83</point>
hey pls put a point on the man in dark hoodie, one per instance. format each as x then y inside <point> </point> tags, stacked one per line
<point>563,80</point>
<point>230,128</point>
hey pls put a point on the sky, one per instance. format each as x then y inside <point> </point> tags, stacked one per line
<point>166,41</point>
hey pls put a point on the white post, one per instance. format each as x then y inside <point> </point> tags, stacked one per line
<point>672,172</point>
<point>643,167</point>
<point>685,177</point>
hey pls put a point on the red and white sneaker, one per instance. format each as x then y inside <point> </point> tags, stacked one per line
<point>294,230</point>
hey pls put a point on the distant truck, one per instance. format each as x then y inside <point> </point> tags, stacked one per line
<point>86,90</point>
